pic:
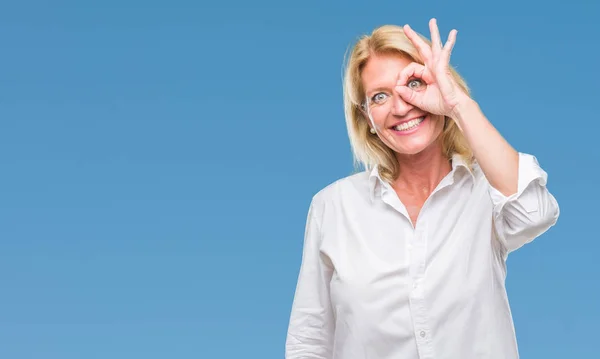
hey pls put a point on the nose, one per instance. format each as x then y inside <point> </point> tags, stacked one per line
<point>399,106</point>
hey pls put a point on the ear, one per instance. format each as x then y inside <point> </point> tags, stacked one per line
<point>363,112</point>
<point>363,109</point>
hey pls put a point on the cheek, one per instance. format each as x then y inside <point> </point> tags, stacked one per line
<point>380,113</point>
<point>438,123</point>
<point>378,117</point>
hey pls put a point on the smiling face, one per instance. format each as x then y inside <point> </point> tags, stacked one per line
<point>406,129</point>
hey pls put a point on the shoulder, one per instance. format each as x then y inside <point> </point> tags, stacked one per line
<point>340,198</point>
<point>350,188</point>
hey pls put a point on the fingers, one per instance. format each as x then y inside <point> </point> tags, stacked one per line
<point>422,47</point>
<point>431,53</point>
<point>436,41</point>
<point>447,50</point>
<point>435,56</point>
<point>410,96</point>
<point>411,71</point>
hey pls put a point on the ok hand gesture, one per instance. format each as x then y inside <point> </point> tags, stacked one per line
<point>441,93</point>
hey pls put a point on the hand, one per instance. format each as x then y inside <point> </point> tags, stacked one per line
<point>441,94</point>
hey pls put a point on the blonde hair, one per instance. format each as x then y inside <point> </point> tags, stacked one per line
<point>368,149</point>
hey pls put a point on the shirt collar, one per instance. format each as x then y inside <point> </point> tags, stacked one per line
<point>376,183</point>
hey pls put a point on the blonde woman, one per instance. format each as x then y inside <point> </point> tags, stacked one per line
<point>408,258</point>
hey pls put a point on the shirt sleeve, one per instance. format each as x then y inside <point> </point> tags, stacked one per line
<point>311,326</point>
<point>529,212</point>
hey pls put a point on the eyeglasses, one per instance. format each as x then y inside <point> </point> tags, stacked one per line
<point>381,98</point>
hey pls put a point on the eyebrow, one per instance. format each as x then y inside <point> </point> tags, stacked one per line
<point>377,89</point>
<point>385,88</point>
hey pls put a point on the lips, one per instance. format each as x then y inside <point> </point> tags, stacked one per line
<point>408,125</point>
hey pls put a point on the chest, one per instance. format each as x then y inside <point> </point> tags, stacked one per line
<point>375,253</point>
<point>413,203</point>
<point>375,241</point>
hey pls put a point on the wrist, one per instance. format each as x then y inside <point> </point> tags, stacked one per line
<point>465,106</point>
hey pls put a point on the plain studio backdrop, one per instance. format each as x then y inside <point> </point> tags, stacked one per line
<point>158,158</point>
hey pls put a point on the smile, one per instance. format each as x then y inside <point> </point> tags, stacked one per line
<point>409,125</point>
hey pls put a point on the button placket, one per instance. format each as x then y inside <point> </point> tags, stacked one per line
<point>417,294</point>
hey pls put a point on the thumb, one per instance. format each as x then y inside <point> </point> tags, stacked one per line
<point>409,95</point>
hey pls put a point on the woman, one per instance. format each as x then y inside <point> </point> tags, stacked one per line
<point>408,259</point>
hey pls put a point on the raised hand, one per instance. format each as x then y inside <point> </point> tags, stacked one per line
<point>439,94</point>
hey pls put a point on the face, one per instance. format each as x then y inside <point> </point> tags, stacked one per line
<point>403,127</point>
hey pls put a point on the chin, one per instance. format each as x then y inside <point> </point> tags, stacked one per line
<point>412,150</point>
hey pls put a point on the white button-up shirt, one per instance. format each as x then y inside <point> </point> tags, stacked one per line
<point>372,286</point>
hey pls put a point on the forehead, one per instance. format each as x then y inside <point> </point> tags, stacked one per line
<point>382,71</point>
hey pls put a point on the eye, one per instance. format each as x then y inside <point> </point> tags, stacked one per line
<point>379,98</point>
<point>415,84</point>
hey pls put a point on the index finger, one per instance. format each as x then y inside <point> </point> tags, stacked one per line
<point>422,47</point>
<point>413,70</point>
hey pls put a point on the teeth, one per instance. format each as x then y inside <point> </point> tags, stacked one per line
<point>409,125</point>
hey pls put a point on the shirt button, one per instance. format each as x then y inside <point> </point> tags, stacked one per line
<point>422,334</point>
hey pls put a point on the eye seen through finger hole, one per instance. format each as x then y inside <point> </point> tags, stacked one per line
<point>416,84</point>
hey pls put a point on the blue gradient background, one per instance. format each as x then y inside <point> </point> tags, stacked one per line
<point>158,158</point>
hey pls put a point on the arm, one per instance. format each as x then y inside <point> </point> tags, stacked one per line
<point>311,326</point>
<point>523,207</point>
<point>496,157</point>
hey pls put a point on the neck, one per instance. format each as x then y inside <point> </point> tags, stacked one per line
<point>422,172</point>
